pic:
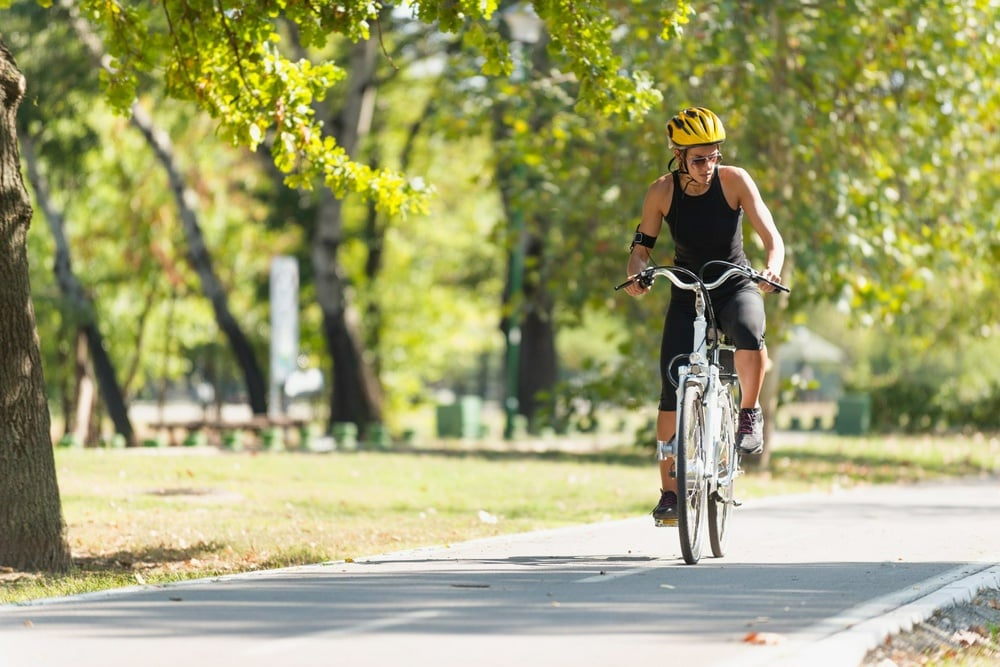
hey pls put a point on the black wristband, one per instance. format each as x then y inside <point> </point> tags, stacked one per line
<point>645,240</point>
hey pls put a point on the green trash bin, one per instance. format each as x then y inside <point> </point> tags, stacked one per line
<point>70,441</point>
<point>272,439</point>
<point>378,436</point>
<point>854,414</point>
<point>461,419</point>
<point>232,440</point>
<point>345,435</point>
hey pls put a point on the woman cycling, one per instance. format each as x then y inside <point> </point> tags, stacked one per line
<point>703,203</point>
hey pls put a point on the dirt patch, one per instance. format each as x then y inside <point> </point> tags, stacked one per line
<point>194,492</point>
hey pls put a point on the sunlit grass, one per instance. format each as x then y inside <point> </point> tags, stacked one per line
<point>823,461</point>
<point>153,516</point>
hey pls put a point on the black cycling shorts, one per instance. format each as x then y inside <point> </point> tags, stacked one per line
<point>739,314</point>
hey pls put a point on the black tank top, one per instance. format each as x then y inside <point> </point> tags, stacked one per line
<point>704,228</point>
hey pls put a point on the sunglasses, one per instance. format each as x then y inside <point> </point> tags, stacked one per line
<point>708,159</point>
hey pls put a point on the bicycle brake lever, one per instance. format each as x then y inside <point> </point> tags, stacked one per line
<point>644,279</point>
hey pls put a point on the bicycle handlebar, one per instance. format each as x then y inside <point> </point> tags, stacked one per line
<point>646,276</point>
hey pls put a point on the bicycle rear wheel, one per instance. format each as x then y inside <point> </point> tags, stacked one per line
<point>722,500</point>
<point>692,491</point>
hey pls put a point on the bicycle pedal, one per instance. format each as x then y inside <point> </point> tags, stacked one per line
<point>665,523</point>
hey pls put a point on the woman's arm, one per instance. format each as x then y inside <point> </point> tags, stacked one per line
<point>654,207</point>
<point>762,222</point>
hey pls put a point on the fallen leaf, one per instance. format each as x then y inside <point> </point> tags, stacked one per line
<point>763,638</point>
<point>967,638</point>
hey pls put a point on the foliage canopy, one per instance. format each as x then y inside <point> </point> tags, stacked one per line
<point>227,58</point>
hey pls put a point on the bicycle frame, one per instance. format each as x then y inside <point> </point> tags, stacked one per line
<point>702,369</point>
<point>704,493</point>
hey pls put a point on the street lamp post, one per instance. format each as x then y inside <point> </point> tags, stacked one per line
<point>525,29</point>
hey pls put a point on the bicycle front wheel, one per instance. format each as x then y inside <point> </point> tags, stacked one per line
<point>722,501</point>
<point>692,491</point>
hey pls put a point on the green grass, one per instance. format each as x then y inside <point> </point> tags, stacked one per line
<point>826,460</point>
<point>159,515</point>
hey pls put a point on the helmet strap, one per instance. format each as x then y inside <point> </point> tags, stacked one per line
<point>684,162</point>
<point>683,170</point>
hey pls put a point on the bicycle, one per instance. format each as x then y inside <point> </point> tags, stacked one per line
<point>707,463</point>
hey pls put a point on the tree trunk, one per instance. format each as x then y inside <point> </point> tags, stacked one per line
<point>198,255</point>
<point>538,361</point>
<point>32,532</point>
<point>356,394</point>
<point>201,262</point>
<point>72,290</point>
<point>83,392</point>
<point>538,358</point>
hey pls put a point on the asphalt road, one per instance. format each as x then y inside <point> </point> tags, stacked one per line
<point>815,579</point>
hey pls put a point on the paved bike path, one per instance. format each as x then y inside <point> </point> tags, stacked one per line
<point>819,578</point>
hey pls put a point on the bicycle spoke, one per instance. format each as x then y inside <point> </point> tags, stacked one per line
<point>722,503</point>
<point>691,484</point>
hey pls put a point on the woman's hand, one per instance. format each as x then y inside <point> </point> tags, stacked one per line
<point>773,277</point>
<point>635,289</point>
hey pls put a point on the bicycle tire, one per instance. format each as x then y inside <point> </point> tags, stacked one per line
<point>722,503</point>
<point>692,488</point>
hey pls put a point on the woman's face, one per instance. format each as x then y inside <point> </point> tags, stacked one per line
<point>701,162</point>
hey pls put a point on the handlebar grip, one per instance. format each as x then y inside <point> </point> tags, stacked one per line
<point>644,278</point>
<point>777,286</point>
<point>757,277</point>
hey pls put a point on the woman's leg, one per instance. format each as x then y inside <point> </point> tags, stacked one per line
<point>678,331</point>
<point>743,319</point>
<point>750,367</point>
<point>666,426</point>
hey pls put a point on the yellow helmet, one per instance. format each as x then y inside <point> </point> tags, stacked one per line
<point>695,126</point>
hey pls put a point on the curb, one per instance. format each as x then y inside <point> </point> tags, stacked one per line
<point>847,638</point>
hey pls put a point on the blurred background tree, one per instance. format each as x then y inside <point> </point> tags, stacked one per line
<point>391,150</point>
